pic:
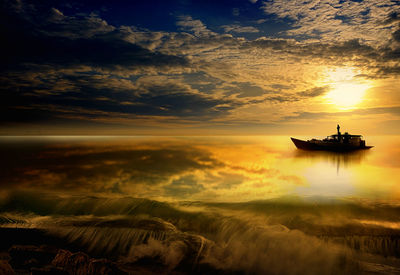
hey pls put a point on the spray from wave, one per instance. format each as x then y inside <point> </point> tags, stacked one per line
<point>178,236</point>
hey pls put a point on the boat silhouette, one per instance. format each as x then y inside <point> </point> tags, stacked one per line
<point>338,143</point>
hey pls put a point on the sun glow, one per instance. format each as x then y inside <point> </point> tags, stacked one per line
<point>346,90</point>
<point>347,95</point>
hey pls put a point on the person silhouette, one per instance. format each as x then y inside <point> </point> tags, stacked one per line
<point>338,132</point>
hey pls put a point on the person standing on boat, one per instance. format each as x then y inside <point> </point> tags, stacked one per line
<point>338,132</point>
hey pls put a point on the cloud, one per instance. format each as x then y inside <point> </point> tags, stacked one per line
<point>239,29</point>
<point>314,92</point>
<point>65,74</point>
<point>392,17</point>
<point>79,68</point>
<point>394,110</point>
<point>187,23</point>
<point>22,48</point>
<point>396,35</point>
<point>101,52</point>
<point>101,98</point>
<point>379,62</point>
<point>345,50</point>
<point>245,90</point>
<point>337,21</point>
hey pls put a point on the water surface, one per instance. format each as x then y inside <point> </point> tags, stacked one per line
<point>247,204</point>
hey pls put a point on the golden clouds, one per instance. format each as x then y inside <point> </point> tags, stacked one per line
<point>196,79</point>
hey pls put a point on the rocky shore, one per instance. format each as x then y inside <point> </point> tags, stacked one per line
<point>30,259</point>
<point>26,251</point>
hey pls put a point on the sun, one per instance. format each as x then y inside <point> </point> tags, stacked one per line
<point>347,91</point>
<point>347,95</point>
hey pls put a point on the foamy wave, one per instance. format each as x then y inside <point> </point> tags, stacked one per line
<point>381,245</point>
<point>252,240</point>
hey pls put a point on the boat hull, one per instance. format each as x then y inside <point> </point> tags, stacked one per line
<point>326,146</point>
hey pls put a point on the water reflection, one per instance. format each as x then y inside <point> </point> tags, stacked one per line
<point>339,159</point>
<point>330,173</point>
<point>192,168</point>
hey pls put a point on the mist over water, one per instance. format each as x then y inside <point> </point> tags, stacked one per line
<point>235,204</point>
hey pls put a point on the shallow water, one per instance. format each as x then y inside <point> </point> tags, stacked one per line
<point>247,204</point>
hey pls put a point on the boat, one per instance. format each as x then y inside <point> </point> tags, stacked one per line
<point>337,142</point>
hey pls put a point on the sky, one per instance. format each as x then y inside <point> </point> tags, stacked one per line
<point>199,67</point>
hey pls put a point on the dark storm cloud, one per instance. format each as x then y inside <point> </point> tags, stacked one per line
<point>47,37</point>
<point>97,97</point>
<point>99,51</point>
<point>73,68</point>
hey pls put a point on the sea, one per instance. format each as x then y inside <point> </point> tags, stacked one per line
<point>213,204</point>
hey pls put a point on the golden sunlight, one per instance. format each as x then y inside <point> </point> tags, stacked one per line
<point>347,95</point>
<point>346,91</point>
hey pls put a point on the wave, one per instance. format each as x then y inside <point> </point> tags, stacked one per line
<point>235,246</point>
<point>131,229</point>
<point>382,245</point>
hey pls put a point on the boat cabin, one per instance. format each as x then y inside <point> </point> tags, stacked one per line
<point>355,140</point>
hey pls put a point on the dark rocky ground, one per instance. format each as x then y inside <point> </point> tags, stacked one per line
<point>31,251</point>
